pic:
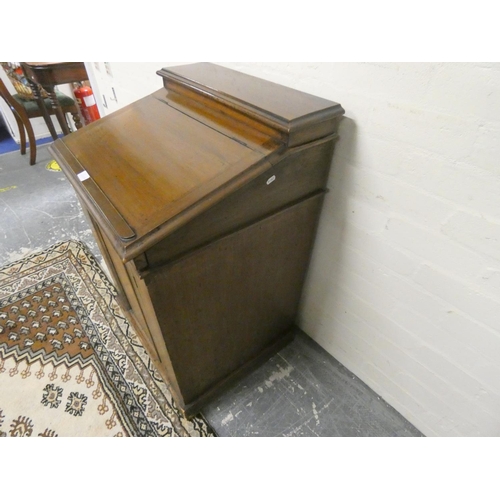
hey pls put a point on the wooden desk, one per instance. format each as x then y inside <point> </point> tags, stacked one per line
<point>204,198</point>
<point>48,75</point>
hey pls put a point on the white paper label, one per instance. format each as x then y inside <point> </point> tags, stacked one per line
<point>89,100</point>
<point>83,176</point>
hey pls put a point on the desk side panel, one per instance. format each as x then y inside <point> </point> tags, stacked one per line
<point>221,306</point>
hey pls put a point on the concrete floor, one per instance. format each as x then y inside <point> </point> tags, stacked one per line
<point>38,207</point>
<point>302,391</point>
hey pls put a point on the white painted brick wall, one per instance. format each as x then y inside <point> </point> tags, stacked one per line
<point>404,285</point>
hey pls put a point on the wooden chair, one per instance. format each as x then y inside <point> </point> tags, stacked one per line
<point>24,110</point>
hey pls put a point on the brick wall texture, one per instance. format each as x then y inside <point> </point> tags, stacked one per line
<point>404,284</point>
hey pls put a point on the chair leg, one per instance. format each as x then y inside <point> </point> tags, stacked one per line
<point>22,134</point>
<point>58,110</point>
<point>32,141</point>
<point>23,122</point>
<point>76,117</point>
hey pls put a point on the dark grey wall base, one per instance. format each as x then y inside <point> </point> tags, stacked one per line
<point>303,391</point>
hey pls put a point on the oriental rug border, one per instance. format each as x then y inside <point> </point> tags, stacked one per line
<point>61,328</point>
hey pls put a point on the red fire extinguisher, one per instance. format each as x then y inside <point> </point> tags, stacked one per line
<point>86,102</point>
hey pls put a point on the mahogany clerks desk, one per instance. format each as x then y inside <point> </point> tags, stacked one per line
<point>204,198</point>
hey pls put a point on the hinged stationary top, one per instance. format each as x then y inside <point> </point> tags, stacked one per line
<point>300,116</point>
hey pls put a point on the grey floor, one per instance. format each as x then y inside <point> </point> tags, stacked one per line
<point>301,391</point>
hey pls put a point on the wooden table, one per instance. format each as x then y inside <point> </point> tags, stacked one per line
<point>48,75</point>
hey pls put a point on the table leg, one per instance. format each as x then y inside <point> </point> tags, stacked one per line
<point>58,111</point>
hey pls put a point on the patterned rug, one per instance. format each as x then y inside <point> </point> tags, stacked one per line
<point>70,363</point>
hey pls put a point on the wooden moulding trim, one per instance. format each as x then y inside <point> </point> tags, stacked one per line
<point>96,201</point>
<point>313,127</point>
<point>276,122</point>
